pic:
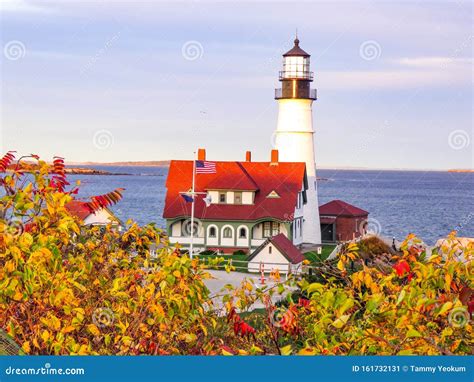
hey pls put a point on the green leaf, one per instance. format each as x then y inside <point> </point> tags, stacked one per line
<point>401,296</point>
<point>413,333</point>
<point>314,287</point>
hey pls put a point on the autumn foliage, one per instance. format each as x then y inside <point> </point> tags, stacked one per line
<point>66,288</point>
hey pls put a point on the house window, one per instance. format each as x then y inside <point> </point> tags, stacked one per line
<point>222,197</point>
<point>270,249</point>
<point>242,233</point>
<point>237,198</point>
<point>271,229</point>
<point>227,233</point>
<point>212,232</point>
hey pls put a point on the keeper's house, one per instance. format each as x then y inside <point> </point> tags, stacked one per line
<point>238,206</point>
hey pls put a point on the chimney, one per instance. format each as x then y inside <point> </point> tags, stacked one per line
<point>248,156</point>
<point>201,154</point>
<point>274,160</point>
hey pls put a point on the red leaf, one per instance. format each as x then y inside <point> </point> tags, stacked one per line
<point>7,160</point>
<point>401,268</point>
<point>103,201</point>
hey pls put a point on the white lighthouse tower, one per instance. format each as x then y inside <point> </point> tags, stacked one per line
<point>294,133</point>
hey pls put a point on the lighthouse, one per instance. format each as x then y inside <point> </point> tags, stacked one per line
<point>294,133</point>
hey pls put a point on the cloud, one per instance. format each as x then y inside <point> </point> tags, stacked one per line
<point>22,6</point>
<point>432,62</point>
<point>391,79</point>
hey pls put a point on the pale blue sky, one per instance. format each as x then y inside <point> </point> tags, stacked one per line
<point>108,81</point>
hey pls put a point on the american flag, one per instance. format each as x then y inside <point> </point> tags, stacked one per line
<point>203,167</point>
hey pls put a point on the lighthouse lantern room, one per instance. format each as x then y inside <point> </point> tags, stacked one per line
<point>294,134</point>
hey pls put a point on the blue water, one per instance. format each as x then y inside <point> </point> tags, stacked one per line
<point>429,204</point>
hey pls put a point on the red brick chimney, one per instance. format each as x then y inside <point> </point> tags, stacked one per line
<point>274,160</point>
<point>248,156</point>
<point>201,154</point>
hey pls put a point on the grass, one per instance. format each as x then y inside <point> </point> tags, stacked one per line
<point>314,257</point>
<point>241,266</point>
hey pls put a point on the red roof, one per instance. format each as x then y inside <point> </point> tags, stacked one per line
<point>341,208</point>
<point>285,246</point>
<point>78,208</point>
<point>285,178</point>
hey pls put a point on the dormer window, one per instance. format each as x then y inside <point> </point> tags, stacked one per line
<point>222,197</point>
<point>237,197</point>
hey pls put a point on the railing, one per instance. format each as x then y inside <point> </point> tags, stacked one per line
<point>313,94</point>
<point>291,74</point>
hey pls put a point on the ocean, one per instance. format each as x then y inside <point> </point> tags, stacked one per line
<point>429,204</point>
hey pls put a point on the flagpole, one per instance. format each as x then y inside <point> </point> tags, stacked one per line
<point>192,207</point>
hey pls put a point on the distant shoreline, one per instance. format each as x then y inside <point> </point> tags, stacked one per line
<point>166,163</point>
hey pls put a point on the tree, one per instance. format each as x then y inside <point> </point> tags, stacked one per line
<point>66,288</point>
<point>70,289</point>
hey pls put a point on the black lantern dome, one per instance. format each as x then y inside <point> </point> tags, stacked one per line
<point>296,75</point>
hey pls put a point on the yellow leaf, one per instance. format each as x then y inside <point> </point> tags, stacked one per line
<point>68,329</point>
<point>307,351</point>
<point>18,296</point>
<point>286,350</point>
<point>45,335</point>
<point>447,282</point>
<point>340,266</point>
<point>368,279</point>
<point>341,321</point>
<point>26,347</point>
<point>447,305</point>
<point>94,330</point>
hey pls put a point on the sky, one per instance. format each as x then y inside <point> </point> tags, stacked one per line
<point>153,80</point>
